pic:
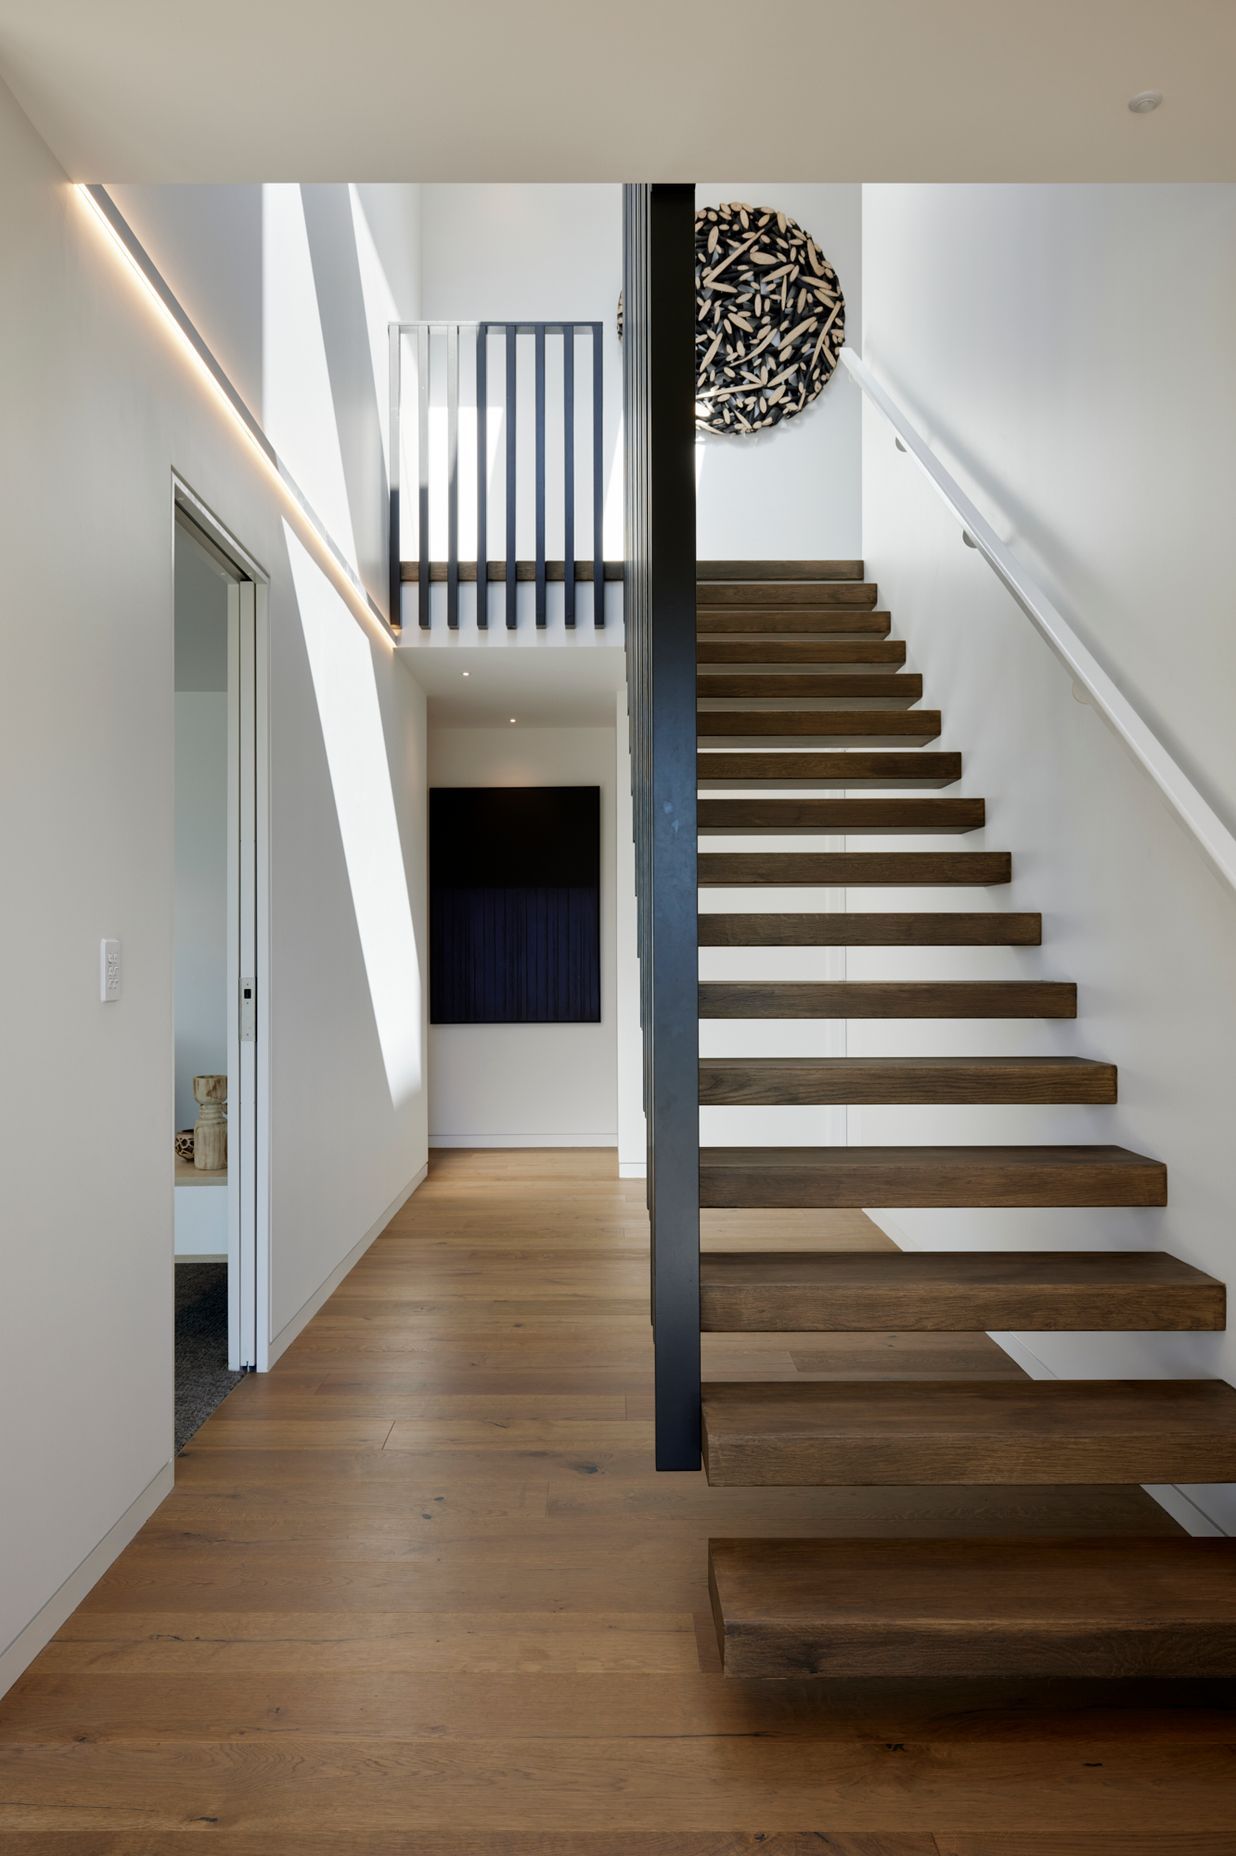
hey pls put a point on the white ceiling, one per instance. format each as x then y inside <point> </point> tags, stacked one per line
<point>137,90</point>
<point>542,685</point>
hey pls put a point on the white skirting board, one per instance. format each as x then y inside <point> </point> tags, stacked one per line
<point>62,1603</point>
<point>523,1140</point>
<point>632,1169</point>
<point>1182,1508</point>
<point>304,1315</point>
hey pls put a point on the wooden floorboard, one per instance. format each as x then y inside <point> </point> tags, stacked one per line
<point>418,1592</point>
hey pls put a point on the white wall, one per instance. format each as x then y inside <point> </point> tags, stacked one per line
<point>101,405</point>
<point>551,251</point>
<point>520,253</point>
<point>292,288</point>
<point>1026,330</point>
<point>628,1035</point>
<point>531,1085</point>
<point>795,492</point>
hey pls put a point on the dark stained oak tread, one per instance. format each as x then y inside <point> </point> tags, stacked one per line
<point>870,685</point>
<point>820,1081</point>
<point>778,570</point>
<point>783,595</point>
<point>956,1291</point>
<point>835,1177</point>
<point>902,815</point>
<point>893,727</point>
<point>873,1432</point>
<point>926,928</point>
<point>855,869</point>
<point>798,676</point>
<point>840,652</point>
<point>960,1609</point>
<point>840,767</point>
<point>835,621</point>
<point>888,999</point>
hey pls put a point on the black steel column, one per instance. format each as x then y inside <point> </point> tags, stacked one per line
<point>598,478</point>
<point>423,359</point>
<point>659,612</point>
<point>512,402</point>
<point>568,473</point>
<point>542,618</point>
<point>482,477</point>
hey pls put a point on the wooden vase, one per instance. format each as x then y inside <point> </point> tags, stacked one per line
<point>210,1133</point>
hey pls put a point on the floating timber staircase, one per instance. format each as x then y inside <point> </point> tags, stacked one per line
<point>809,724</point>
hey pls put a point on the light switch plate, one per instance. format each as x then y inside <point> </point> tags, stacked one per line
<point>109,971</point>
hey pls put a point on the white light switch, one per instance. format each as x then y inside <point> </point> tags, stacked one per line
<point>109,971</point>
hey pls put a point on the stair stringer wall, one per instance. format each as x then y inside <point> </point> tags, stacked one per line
<point>1132,912</point>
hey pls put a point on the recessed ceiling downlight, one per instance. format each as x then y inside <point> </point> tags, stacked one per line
<point>1145,101</point>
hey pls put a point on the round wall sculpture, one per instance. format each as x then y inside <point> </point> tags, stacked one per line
<point>770,318</point>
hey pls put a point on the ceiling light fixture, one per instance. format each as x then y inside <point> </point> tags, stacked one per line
<point>467,673</point>
<point>1145,101</point>
<point>512,721</point>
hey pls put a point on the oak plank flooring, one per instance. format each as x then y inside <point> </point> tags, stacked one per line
<point>326,1648</point>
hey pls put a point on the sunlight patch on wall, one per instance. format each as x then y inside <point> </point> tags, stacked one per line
<point>380,311</point>
<point>299,405</point>
<point>346,690</point>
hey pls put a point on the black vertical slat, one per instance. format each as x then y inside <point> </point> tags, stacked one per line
<point>452,478</point>
<point>512,396</point>
<point>422,468</point>
<point>568,472</point>
<point>598,480</point>
<point>539,465</point>
<point>659,612</point>
<point>482,477</point>
<point>394,548</point>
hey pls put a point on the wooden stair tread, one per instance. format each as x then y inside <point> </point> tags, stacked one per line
<point>783,595</point>
<point>875,726</point>
<point>929,928</point>
<point>888,999</point>
<point>835,1177</point>
<point>802,685</point>
<point>1008,1609</point>
<point>793,651</point>
<point>817,1081</point>
<point>836,767</point>
<point>841,815</point>
<point>778,570</point>
<point>826,622</point>
<point>955,1291</point>
<point>871,1432</point>
<point>854,869</point>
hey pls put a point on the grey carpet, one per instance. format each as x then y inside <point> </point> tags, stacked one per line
<point>202,1377</point>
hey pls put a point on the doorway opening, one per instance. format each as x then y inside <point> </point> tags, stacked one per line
<point>220,1118</point>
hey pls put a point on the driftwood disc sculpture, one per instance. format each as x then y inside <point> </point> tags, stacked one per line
<point>769,318</point>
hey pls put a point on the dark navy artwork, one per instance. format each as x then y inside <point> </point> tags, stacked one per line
<point>514,905</point>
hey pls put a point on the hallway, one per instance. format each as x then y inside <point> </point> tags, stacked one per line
<point>419,1591</point>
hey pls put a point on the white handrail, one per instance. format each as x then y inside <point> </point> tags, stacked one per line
<point>1172,781</point>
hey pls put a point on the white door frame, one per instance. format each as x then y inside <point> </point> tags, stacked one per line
<point>248,932</point>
